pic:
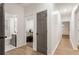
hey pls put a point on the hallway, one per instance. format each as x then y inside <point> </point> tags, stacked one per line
<point>25,50</point>
<point>65,48</point>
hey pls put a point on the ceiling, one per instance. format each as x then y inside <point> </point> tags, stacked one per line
<point>62,7</point>
<point>28,4</point>
<point>56,4</point>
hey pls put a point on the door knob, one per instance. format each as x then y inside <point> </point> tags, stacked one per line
<point>37,33</point>
<point>3,37</point>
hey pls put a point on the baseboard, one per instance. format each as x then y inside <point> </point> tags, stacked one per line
<point>34,49</point>
<point>56,47</point>
<point>75,48</point>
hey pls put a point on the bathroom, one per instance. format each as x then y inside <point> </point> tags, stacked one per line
<point>10,31</point>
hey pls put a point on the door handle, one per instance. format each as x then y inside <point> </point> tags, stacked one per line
<point>3,37</point>
<point>37,33</point>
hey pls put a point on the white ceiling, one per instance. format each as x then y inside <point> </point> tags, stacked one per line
<point>28,4</point>
<point>62,7</point>
<point>56,4</point>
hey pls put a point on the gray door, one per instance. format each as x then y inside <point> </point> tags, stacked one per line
<point>2,31</point>
<point>42,32</point>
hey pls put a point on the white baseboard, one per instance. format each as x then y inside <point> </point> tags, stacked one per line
<point>75,48</point>
<point>56,47</point>
<point>35,49</point>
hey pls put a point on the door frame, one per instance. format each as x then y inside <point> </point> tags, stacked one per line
<point>35,28</point>
<point>27,17</point>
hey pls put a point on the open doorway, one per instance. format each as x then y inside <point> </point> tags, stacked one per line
<point>29,30</point>
<point>10,32</point>
<point>66,36</point>
<point>65,46</point>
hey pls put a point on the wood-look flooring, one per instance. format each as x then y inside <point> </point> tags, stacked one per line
<point>65,47</point>
<point>30,44</point>
<point>25,50</point>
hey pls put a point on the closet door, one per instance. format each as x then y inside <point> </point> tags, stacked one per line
<point>42,32</point>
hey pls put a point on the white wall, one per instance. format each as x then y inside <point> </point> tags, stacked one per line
<point>19,12</point>
<point>76,24</point>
